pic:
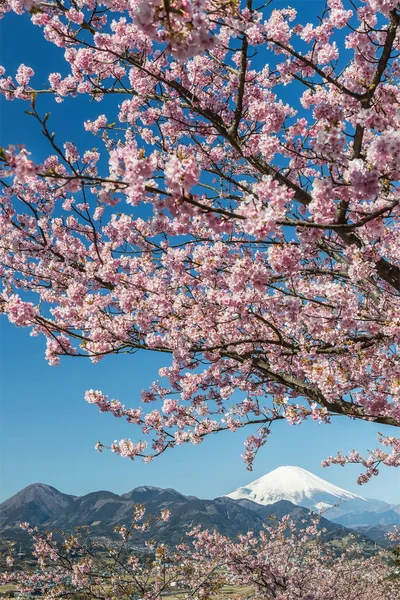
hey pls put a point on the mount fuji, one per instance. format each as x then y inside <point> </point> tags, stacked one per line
<point>310,491</point>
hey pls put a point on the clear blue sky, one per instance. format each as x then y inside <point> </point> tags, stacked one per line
<point>48,431</point>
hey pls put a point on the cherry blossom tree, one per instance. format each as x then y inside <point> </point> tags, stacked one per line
<point>240,216</point>
<point>282,563</point>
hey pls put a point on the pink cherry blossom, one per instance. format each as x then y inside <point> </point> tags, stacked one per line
<point>282,561</point>
<point>239,214</point>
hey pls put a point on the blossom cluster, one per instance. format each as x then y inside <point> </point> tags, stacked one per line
<point>248,234</point>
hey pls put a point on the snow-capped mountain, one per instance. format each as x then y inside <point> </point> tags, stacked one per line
<point>306,489</point>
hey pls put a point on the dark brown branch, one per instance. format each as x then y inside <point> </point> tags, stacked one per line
<point>338,406</point>
<point>241,87</point>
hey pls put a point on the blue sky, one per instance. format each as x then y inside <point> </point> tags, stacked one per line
<point>48,431</point>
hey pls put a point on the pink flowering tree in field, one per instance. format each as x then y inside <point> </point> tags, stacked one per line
<point>240,215</point>
<point>282,563</point>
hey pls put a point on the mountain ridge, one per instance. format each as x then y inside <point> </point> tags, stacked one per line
<point>103,510</point>
<point>286,490</point>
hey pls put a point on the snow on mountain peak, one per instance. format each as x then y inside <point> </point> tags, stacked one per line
<point>296,485</point>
